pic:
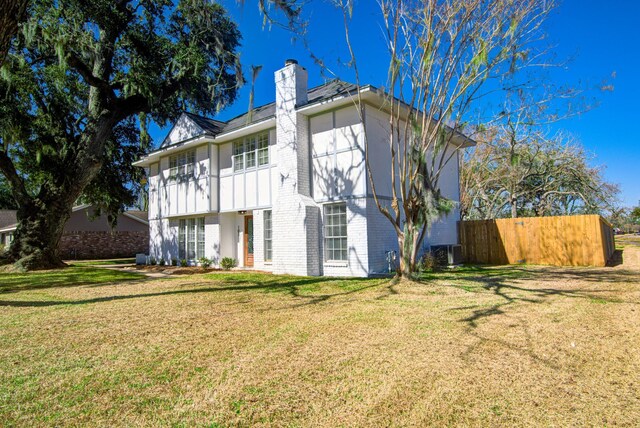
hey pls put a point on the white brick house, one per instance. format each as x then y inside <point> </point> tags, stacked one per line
<point>283,188</point>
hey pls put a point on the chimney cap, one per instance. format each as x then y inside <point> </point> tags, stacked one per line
<point>290,61</point>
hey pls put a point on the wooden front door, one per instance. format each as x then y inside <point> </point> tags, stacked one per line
<point>248,241</point>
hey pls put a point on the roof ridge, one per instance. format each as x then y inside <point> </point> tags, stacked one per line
<point>188,113</point>
<point>328,82</point>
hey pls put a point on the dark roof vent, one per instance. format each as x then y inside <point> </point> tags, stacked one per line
<point>290,61</point>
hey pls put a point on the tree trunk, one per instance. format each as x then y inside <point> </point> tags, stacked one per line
<point>514,207</point>
<point>36,240</point>
<point>11,13</point>
<point>408,249</point>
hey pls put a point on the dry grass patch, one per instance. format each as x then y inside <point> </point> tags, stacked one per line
<point>514,346</point>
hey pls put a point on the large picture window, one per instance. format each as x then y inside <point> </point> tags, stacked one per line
<point>182,165</point>
<point>268,237</point>
<point>335,232</point>
<point>191,238</point>
<point>251,152</point>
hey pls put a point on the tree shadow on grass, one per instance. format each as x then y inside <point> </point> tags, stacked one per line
<point>66,277</point>
<point>511,293</point>
<point>536,285</point>
<point>299,287</point>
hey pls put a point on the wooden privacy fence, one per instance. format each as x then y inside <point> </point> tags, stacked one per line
<point>581,240</point>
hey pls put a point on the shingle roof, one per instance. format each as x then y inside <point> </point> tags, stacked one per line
<point>208,125</point>
<point>319,93</point>
<point>142,215</point>
<point>8,218</point>
<point>326,91</point>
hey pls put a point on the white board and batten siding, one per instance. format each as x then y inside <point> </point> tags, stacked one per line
<point>170,197</point>
<point>337,142</point>
<point>248,189</point>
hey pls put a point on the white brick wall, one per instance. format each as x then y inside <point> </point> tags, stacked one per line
<point>295,215</point>
<point>212,238</point>
<point>383,238</point>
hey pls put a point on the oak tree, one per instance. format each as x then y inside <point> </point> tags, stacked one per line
<point>80,80</point>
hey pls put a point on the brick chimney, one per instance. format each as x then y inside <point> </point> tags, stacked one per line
<point>295,214</point>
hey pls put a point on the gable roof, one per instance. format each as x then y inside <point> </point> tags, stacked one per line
<point>206,126</point>
<point>210,126</point>
<point>8,218</point>
<point>323,92</point>
<point>141,216</point>
<point>197,129</point>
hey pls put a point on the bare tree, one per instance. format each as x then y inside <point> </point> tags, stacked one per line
<point>444,55</point>
<point>518,170</point>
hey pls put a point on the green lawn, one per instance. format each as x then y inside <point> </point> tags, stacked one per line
<point>478,346</point>
<point>102,262</point>
<point>69,277</point>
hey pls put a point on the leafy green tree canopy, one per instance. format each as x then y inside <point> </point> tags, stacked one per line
<point>78,88</point>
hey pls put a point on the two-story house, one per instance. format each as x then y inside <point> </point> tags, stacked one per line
<point>285,187</point>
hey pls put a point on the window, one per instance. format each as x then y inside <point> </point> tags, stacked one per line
<point>250,152</point>
<point>251,149</point>
<point>268,237</point>
<point>238,156</point>
<point>200,249</point>
<point>182,165</point>
<point>182,239</point>
<point>191,238</point>
<point>263,149</point>
<point>335,232</point>
<point>173,167</point>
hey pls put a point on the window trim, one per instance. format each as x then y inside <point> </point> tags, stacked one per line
<point>342,238</point>
<point>189,235</point>
<point>251,152</point>
<point>267,218</point>
<point>182,165</point>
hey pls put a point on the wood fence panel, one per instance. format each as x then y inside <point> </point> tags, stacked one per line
<point>584,240</point>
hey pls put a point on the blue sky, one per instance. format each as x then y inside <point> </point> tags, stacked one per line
<point>600,39</point>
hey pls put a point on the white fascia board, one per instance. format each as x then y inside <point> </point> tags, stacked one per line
<point>371,95</point>
<point>245,130</point>
<point>80,207</point>
<point>154,157</point>
<point>367,93</point>
<point>10,228</point>
<point>132,217</point>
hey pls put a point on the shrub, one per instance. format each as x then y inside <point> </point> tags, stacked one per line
<point>427,263</point>
<point>174,262</point>
<point>204,262</point>
<point>184,263</point>
<point>228,262</point>
<point>152,261</point>
<point>161,262</point>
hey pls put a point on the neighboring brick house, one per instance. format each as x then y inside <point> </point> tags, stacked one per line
<point>284,188</point>
<point>93,238</point>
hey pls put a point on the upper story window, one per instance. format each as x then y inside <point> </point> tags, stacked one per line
<point>251,152</point>
<point>182,165</point>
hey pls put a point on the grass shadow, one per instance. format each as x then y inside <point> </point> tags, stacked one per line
<point>71,276</point>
